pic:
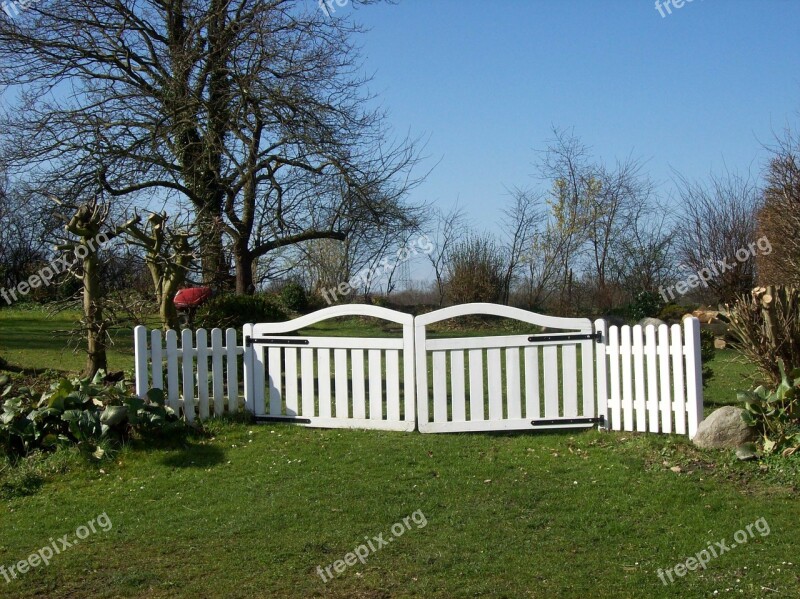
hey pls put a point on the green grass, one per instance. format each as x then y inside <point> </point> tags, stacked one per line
<point>251,511</point>
<point>36,339</point>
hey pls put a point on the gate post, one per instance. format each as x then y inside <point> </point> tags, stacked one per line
<point>694,373</point>
<point>249,371</point>
<point>601,358</point>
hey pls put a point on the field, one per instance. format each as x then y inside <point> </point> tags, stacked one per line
<point>244,510</point>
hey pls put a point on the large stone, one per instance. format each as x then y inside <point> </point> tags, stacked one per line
<point>723,429</point>
<point>646,322</point>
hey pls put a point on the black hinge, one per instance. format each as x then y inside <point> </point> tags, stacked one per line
<point>598,336</point>
<point>274,341</point>
<point>556,421</point>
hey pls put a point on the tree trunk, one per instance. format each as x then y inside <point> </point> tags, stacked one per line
<point>244,269</point>
<point>96,358</point>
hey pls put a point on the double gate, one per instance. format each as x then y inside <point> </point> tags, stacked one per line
<point>487,383</point>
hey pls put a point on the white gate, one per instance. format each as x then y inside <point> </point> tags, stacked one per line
<point>506,382</point>
<point>328,381</point>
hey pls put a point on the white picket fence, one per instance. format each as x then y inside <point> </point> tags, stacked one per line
<point>191,368</point>
<point>651,379</point>
<point>623,378</point>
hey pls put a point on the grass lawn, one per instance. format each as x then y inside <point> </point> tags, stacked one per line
<point>245,510</point>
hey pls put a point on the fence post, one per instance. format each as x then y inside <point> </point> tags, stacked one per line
<point>601,357</point>
<point>142,359</point>
<point>694,373</point>
<point>247,358</point>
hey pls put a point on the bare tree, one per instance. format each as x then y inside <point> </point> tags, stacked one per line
<point>779,217</point>
<point>448,229</point>
<point>519,223</point>
<point>249,112</point>
<point>720,219</point>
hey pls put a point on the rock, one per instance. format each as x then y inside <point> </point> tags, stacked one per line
<point>746,452</point>
<point>646,322</point>
<point>615,321</point>
<point>723,429</point>
<point>720,343</point>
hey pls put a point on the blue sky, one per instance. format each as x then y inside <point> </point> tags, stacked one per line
<point>696,91</point>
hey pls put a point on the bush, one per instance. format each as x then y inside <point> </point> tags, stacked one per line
<point>647,304</point>
<point>474,272</point>
<point>766,329</point>
<point>776,414</point>
<point>237,310</point>
<point>293,297</point>
<point>79,412</point>
<point>673,312</point>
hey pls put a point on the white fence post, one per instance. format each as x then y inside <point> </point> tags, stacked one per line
<point>249,388</point>
<point>601,358</point>
<point>694,374</point>
<point>142,359</point>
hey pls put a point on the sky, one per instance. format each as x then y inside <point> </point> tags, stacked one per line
<point>697,91</point>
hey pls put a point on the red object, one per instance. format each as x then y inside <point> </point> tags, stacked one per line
<point>192,297</point>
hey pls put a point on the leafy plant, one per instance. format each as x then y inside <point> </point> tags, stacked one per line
<point>776,413</point>
<point>80,412</point>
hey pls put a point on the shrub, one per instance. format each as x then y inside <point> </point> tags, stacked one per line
<point>766,329</point>
<point>79,412</point>
<point>776,414</point>
<point>647,304</point>
<point>673,312</point>
<point>237,310</point>
<point>293,297</point>
<point>474,271</point>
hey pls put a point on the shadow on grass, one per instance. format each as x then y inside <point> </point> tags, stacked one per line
<point>194,456</point>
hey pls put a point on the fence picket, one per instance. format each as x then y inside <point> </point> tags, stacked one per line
<point>627,377</point>
<point>324,378</point>
<point>679,405</point>
<point>513,389</point>
<point>307,381</point>
<point>650,349</point>
<point>375,385</point>
<point>217,382</point>
<point>439,375</point>
<point>232,365</point>
<point>615,395</point>
<point>532,407</point>
<point>173,392</point>
<point>494,383</point>
<point>457,392</point>
<point>340,381</point>
<point>393,385</point>
<point>637,350</point>
<point>157,360</point>
<point>569,384</point>
<point>359,388</point>
<point>187,356</point>
<point>550,359</point>
<point>476,409</point>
